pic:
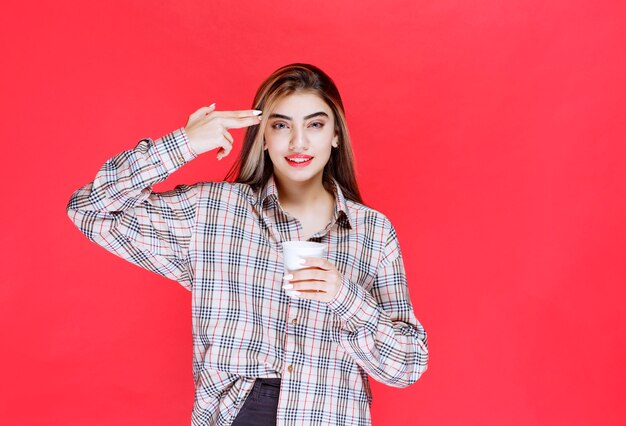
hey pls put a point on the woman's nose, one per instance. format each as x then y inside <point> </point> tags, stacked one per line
<point>298,141</point>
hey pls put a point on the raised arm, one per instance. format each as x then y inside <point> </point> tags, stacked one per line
<point>119,211</point>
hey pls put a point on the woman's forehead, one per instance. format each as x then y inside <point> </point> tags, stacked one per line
<point>299,105</point>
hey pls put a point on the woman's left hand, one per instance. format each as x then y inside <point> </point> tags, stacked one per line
<point>318,280</point>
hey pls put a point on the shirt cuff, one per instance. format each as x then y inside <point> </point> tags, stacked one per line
<point>174,150</point>
<point>352,306</point>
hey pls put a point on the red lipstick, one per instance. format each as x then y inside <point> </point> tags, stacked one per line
<point>299,160</point>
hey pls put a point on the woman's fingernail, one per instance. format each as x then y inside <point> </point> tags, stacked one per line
<point>257,112</point>
<point>293,293</point>
<point>288,277</point>
<point>287,286</point>
<point>301,261</point>
<point>212,105</point>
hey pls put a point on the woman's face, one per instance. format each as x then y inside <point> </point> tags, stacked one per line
<point>299,137</point>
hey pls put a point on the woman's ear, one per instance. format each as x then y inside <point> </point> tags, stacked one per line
<point>335,142</point>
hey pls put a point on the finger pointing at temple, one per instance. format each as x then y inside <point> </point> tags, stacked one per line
<point>207,128</point>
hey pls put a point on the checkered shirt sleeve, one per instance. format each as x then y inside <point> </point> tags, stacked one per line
<point>379,328</point>
<point>119,211</point>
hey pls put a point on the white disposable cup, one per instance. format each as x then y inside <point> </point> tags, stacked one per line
<point>296,250</point>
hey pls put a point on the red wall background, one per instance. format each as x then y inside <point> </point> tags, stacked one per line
<point>490,132</point>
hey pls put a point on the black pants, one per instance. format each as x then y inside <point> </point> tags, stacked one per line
<point>260,407</point>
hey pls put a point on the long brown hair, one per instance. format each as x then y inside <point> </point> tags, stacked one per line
<point>254,166</point>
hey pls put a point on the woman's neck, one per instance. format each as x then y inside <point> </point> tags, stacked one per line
<point>297,196</point>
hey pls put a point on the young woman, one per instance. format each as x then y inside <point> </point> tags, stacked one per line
<point>269,348</point>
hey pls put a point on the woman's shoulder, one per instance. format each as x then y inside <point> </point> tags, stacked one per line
<point>222,190</point>
<point>215,190</point>
<point>377,228</point>
<point>362,214</point>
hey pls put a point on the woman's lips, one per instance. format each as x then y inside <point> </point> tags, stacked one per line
<point>298,160</point>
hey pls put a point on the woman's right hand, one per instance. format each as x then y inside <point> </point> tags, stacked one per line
<point>207,129</point>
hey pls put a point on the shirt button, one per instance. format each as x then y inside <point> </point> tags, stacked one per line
<point>294,321</point>
<point>290,368</point>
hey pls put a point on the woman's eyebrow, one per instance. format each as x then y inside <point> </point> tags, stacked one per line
<point>315,114</point>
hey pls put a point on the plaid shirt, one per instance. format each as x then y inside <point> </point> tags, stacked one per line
<point>221,241</point>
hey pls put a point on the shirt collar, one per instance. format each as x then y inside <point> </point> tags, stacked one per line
<point>269,192</point>
<point>268,195</point>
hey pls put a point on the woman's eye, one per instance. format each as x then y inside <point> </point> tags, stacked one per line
<point>278,126</point>
<point>317,124</point>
